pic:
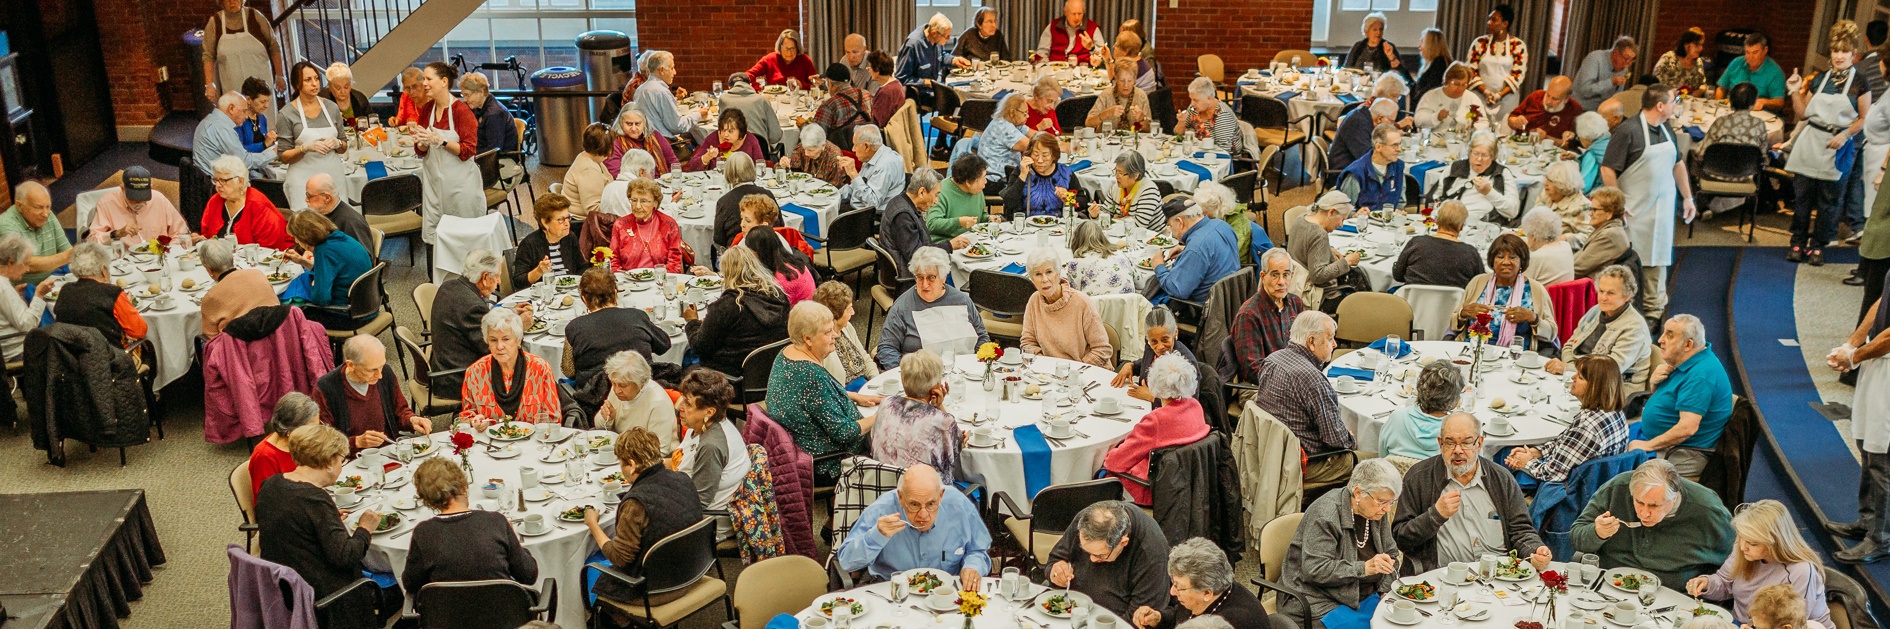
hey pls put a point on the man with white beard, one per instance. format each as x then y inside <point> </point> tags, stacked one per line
<point>1460,506</point>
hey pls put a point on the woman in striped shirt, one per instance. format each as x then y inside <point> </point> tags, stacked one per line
<point>1208,117</point>
<point>1137,197</point>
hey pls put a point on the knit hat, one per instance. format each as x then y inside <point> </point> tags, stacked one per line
<point>838,72</point>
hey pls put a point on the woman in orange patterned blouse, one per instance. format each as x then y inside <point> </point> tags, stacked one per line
<point>509,382</point>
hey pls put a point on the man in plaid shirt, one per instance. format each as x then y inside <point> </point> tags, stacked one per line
<point>1264,323</point>
<point>1297,393</point>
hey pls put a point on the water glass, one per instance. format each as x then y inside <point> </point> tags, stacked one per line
<point>716,87</point>
<point>1647,592</point>
<point>1394,347</point>
<point>1516,347</point>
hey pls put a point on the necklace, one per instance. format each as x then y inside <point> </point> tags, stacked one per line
<point>1364,539</point>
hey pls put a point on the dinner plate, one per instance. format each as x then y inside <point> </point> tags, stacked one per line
<point>1614,574</point>
<point>537,494</point>
<point>399,523</point>
<point>1470,611</point>
<point>1394,591</point>
<point>861,602</point>
<point>506,452</point>
<point>1081,600</point>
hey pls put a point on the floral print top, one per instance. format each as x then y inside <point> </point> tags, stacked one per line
<point>908,432</point>
<point>1098,275</point>
<point>813,407</point>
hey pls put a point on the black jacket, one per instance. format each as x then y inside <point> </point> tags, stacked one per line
<point>593,338</point>
<point>734,326</point>
<point>1239,607</point>
<point>533,249</point>
<point>1198,495</point>
<point>1418,520</point>
<point>902,231</point>
<point>457,340</point>
<point>350,221</point>
<point>78,386</point>
<point>728,212</point>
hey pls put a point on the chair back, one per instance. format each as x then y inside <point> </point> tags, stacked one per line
<point>756,368</point>
<point>423,301</point>
<point>86,205</point>
<point>1001,293</point>
<point>392,194</point>
<point>486,604</point>
<point>887,271</point>
<point>1223,304</point>
<point>1726,161</point>
<point>1432,308</point>
<point>1073,112</point>
<point>1299,58</point>
<point>1572,300</point>
<point>1731,459</point>
<point>1161,107</point>
<point>1211,67</point>
<point>1366,317</point>
<point>272,189</point>
<point>976,113</point>
<point>850,230</point>
<point>488,161</point>
<point>862,481</point>
<point>1264,112</point>
<point>1275,537</point>
<point>781,585</point>
<point>1056,506</point>
<point>422,360</point>
<point>1243,185</point>
<point>194,190</point>
<point>365,294</point>
<point>241,490</point>
<point>1292,214</point>
<point>680,560</point>
<point>904,135</point>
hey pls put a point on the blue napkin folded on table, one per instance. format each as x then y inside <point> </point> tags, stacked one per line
<point>1348,228</point>
<point>1036,457</point>
<point>958,82</point>
<point>302,288</point>
<point>1215,155</point>
<point>375,170</point>
<point>810,221</point>
<point>1013,268</point>
<point>1405,347</point>
<point>856,384</point>
<point>1346,98</point>
<point>1199,171</point>
<point>999,96</point>
<point>1695,131</point>
<point>783,621</point>
<point>1286,96</point>
<point>1356,374</point>
<point>1420,170</point>
<point>1079,165</point>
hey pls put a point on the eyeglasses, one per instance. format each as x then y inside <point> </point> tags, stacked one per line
<point>1458,445</point>
<point>222,180</point>
<point>1382,502</point>
<point>1277,275</point>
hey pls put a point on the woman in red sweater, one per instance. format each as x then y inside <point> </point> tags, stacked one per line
<point>1178,421</point>
<point>786,65</point>
<point>271,455</point>
<point>648,238</point>
<point>241,211</point>
<point>447,139</point>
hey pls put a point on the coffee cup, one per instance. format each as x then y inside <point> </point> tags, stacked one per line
<point>345,497</point>
<point>942,600</point>
<point>534,522</point>
<point>981,436</point>
<point>527,477</point>
<point>891,386</point>
<point>1499,424</point>
<point>815,621</point>
<point>612,487</point>
<point>556,326</point>
<point>1060,427</point>
<point>1627,612</point>
<point>164,300</point>
<point>1457,572</point>
<point>1347,384</point>
<point>1576,620</point>
<point>1404,611</point>
<point>1530,360</point>
<point>1108,405</point>
<point>1103,621</point>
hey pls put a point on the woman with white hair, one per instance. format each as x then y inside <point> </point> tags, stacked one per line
<point>632,132</point>
<point>1605,331</point>
<point>1202,582</point>
<point>509,383</point>
<point>1486,187</point>
<point>1095,266</point>
<point>655,100</point>
<point>912,428</point>
<point>1562,188</point>
<point>634,402</point>
<point>1551,261</point>
<point>233,292</point>
<point>1374,53</point>
<point>1208,117</point>
<point>751,312</point>
<point>1343,553</point>
<point>1123,106</point>
<point>739,173</point>
<point>93,301</point>
<point>1410,434</point>
<point>1217,201</point>
<point>818,157</point>
<point>341,92</point>
<point>1176,420</point>
<point>1061,322</point>
<point>17,315</point>
<point>1164,338</point>
<point>932,314</point>
<point>242,211</point>
<point>1006,138</point>
<point>1137,197</point>
<point>1592,132</point>
<point>805,399</point>
<point>1041,115</point>
<point>786,65</point>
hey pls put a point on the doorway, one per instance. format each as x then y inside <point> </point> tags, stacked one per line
<point>72,115</point>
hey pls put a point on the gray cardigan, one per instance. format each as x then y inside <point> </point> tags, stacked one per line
<point>1311,246</point>
<point>1418,520</point>
<point>1601,249</point>
<point>1323,566</point>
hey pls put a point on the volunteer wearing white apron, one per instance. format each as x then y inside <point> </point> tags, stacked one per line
<point>1876,150</point>
<point>1870,425</point>
<point>931,316</point>
<point>1644,162</point>
<point>309,144</point>
<point>447,139</point>
<point>238,50</point>
<point>1501,61</point>
<point>1830,108</point>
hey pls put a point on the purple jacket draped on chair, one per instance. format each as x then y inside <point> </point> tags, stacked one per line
<point>256,600</point>
<point>243,379</point>
<point>793,471</point>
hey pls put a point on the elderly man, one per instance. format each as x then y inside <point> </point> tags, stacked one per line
<point>1549,112</point>
<point>1264,324</point>
<point>1310,242</point>
<point>325,199</point>
<point>216,136</point>
<point>1692,398</point>
<point>132,215</point>
<point>17,315</point>
<point>1298,394</point>
<point>881,177</point>
<point>902,223</point>
<point>1378,181</point>
<point>1680,529</point>
<point>458,308</point>
<point>1611,111</point>
<point>855,57</point>
<point>1757,68</point>
<point>1353,140</point>
<point>1460,506</point>
<point>923,524</point>
<point>413,94</point>
<point>31,217</point>
<point>362,398</point>
<point>1207,253</point>
<point>756,109</point>
<point>1074,38</point>
<point>923,60</point>
<point>1644,162</point>
<point>1117,555</point>
<point>1445,107</point>
<point>1604,73</point>
<point>1336,567</point>
<point>235,291</point>
<point>846,108</point>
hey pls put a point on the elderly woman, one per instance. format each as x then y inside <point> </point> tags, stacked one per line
<point>18,315</point>
<point>93,301</point>
<point>240,210</point>
<point>310,135</point>
<point>739,173</point>
<point>1202,582</point>
<point>849,363</point>
<point>1130,51</point>
<point>932,314</point>
<point>751,312</point>
<point>446,138</point>
<point>584,181</point>
<point>657,503</point>
<point>1374,53</point>
<point>604,330</point>
<point>792,271</point>
<point>341,92</point>
<point>1006,139</point>
<point>648,237</point>
<point>509,382</point>
<point>1410,435</point>
<point>633,132</point>
<point>960,201</point>
<point>1137,197</point>
<point>271,455</point>
<point>298,528</point>
<point>1486,187</point>
<point>1434,54</point>
<point>254,131</point>
<point>1041,113</point>
<point>1768,551</point>
<point>1208,117</point>
<point>657,102</point>
<point>1551,260</point>
<point>1163,336</point>
<point>1562,188</point>
<point>1441,258</point>
<point>786,65</point>
<point>613,203</point>
<point>496,129</point>
<point>983,42</point>
<point>1059,321</point>
<point>553,249</point>
<point>1343,555</point>
<point>1123,106</point>
<point>1682,67</point>
<point>731,135</point>
<point>1832,105</point>
<point>234,292</point>
<point>805,399</point>
<point>334,261</point>
<point>818,157</point>
<point>1593,133</point>
<point>759,210</point>
<point>1217,201</point>
<point>1095,266</point>
<point>636,403</point>
<point>1604,330</point>
<point>1742,126</point>
<point>1042,182</point>
<point>913,428</point>
<point>1519,306</point>
<point>1599,430</point>
<point>460,543</point>
<point>1607,239</point>
<point>714,455</point>
<point>1177,420</point>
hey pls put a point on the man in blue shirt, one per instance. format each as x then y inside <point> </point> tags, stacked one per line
<point>1692,398</point>
<point>1759,70</point>
<point>921,525</point>
<point>216,137</point>
<point>881,176</point>
<point>923,62</point>
<point>1207,252</point>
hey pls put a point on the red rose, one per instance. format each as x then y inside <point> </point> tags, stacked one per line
<point>1484,319</point>
<point>164,240</point>
<point>1554,579</point>
<point>462,441</point>
<point>725,146</point>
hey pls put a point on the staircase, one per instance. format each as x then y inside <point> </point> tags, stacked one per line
<point>377,38</point>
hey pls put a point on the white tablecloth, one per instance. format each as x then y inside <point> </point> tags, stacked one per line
<point>1012,246</point>
<point>173,331</point>
<point>1019,77</point>
<point>1382,243</point>
<point>1702,113</point>
<point>356,178</point>
<point>457,237</point>
<point>786,110</point>
<point>999,613</point>
<point>695,212</point>
<point>1002,466</point>
<point>667,312</point>
<point>1099,177</point>
<point>1514,607</point>
<point>1325,111</point>
<point>1366,411</point>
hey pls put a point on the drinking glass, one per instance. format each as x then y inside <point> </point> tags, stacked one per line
<point>1108,128</point>
<point>1368,67</point>
<point>1647,592</point>
<point>717,88</point>
<point>899,593</point>
<point>1516,347</point>
<point>1394,347</point>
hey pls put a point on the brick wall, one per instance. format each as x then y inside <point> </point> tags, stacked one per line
<point>1786,23</point>
<point>1245,33</point>
<point>140,36</point>
<point>713,38</point>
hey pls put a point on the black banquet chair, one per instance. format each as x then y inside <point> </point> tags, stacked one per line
<point>487,604</point>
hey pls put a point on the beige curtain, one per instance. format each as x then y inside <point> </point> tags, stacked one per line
<point>826,23</point>
<point>1024,20</point>
<point>1465,20</point>
<point>1593,25</point>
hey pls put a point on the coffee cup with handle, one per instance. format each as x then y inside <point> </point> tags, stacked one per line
<point>1404,611</point>
<point>1108,405</point>
<point>1627,612</point>
<point>1060,427</point>
<point>534,522</point>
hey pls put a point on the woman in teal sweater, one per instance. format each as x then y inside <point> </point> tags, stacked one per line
<point>335,260</point>
<point>806,400</point>
<point>960,199</point>
<point>1410,435</point>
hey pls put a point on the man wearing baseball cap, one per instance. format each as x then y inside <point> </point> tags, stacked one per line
<point>131,214</point>
<point>1207,252</point>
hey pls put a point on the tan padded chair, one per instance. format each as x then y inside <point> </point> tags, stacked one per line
<point>1301,58</point>
<point>1275,537</point>
<point>426,403</point>
<point>1366,317</point>
<point>1286,222</point>
<point>423,299</point>
<point>245,502</point>
<point>379,237</point>
<point>903,134</point>
<point>671,576</point>
<point>781,585</point>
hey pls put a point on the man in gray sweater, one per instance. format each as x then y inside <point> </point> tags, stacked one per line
<point>755,108</point>
<point>1459,506</point>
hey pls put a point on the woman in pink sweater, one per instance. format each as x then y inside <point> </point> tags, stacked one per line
<point>1177,421</point>
<point>1060,321</point>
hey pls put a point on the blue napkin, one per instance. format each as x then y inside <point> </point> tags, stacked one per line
<point>45,316</point>
<point>856,384</point>
<point>1343,617</point>
<point>1036,458</point>
<point>1215,155</point>
<point>1199,171</point>
<point>592,574</point>
<point>999,97</point>
<point>302,287</point>
<point>1068,94</point>
<point>1422,169</point>
<point>810,221</point>
<point>1286,96</point>
<point>783,621</point>
<point>958,82</point>
<point>1346,98</point>
<point>1356,374</point>
<point>1079,165</point>
<point>1013,268</point>
<point>1405,347</point>
<point>1348,228</point>
<point>383,579</point>
<point>375,170</point>
<point>1695,131</point>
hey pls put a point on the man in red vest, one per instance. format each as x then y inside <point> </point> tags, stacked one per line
<point>1074,38</point>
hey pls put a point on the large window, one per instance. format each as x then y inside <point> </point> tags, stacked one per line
<point>1336,22</point>
<point>541,33</point>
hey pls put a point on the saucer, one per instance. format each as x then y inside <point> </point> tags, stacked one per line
<point>547,528</point>
<point>505,452</point>
<point>1416,618</point>
<point>1098,411</point>
<point>1492,431</point>
<point>537,494</point>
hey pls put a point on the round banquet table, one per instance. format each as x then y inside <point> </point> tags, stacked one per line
<point>357,158</point>
<point>787,109</point>
<point>1074,459</point>
<point>664,309</point>
<point>1094,158</point>
<point>1526,162</point>
<point>1019,77</point>
<point>1508,603</point>
<point>1010,243</point>
<point>1535,417</point>
<point>695,211</point>
<point>1323,104</point>
<point>173,331</point>
<point>1383,242</point>
<point>999,612</point>
<point>560,552</point>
